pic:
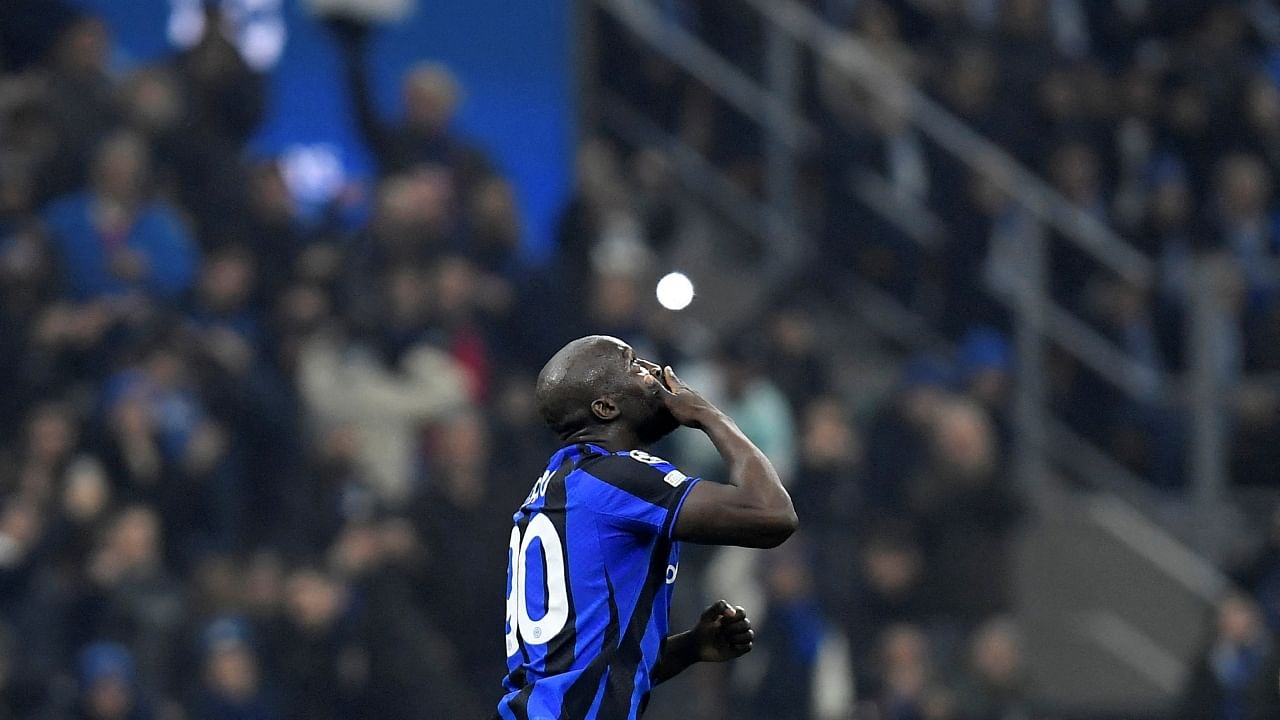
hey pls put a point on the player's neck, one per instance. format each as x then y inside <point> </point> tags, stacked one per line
<point>613,437</point>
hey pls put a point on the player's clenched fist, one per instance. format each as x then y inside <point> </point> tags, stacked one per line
<point>723,633</point>
<point>685,404</point>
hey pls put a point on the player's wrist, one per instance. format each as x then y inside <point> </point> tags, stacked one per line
<point>679,652</point>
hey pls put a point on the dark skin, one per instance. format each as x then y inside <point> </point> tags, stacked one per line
<point>597,390</point>
<point>722,633</point>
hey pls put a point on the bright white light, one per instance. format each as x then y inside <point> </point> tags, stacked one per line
<point>675,291</point>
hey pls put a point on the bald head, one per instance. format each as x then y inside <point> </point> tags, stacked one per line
<point>431,95</point>
<point>580,372</point>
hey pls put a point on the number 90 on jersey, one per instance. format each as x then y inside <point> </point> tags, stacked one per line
<point>534,562</point>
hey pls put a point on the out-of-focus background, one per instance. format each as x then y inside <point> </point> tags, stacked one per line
<point>995,284</point>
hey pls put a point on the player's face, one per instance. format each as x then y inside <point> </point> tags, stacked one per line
<point>643,405</point>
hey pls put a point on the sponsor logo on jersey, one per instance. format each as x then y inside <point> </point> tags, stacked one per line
<point>645,457</point>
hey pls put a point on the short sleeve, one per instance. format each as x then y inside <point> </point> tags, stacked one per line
<point>637,491</point>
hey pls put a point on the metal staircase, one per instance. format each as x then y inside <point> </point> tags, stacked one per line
<point>1112,609</point>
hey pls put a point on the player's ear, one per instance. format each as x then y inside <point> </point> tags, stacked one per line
<point>605,409</point>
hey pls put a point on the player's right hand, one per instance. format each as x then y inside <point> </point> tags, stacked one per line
<point>724,632</point>
<point>685,404</point>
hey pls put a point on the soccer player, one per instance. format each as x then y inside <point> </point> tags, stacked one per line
<point>595,549</point>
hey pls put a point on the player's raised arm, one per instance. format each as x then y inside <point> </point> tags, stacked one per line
<point>754,510</point>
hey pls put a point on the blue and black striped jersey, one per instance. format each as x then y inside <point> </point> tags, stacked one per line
<point>590,570</point>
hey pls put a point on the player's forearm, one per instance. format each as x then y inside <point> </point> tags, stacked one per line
<point>749,469</point>
<point>678,653</point>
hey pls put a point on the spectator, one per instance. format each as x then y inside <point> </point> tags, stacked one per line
<point>414,224</point>
<point>318,655</point>
<point>1169,232</point>
<point>494,242</point>
<point>232,681</point>
<point>831,454</point>
<point>617,307</point>
<point>981,261</point>
<point>983,367</point>
<point>736,381</point>
<point>385,402</point>
<point>1075,168</point>
<point>408,667</point>
<point>135,598</point>
<point>79,104</point>
<point>1223,677</point>
<point>262,596</point>
<point>222,309</point>
<point>26,286</point>
<point>994,683</point>
<point>1023,45</point>
<point>795,360</point>
<point>464,486</point>
<point>284,243</point>
<point>108,685</point>
<point>462,299</point>
<point>81,515</point>
<point>17,191</point>
<point>1260,574</point>
<point>966,512</point>
<point>798,645</point>
<point>425,136</point>
<point>51,441</point>
<point>889,576</point>
<point>1245,221</point>
<point>1140,433</point>
<point>1261,109</point>
<point>223,100</point>
<point>599,210</point>
<point>115,238</point>
<point>162,441</point>
<point>22,531</point>
<point>152,104</point>
<point>1255,446</point>
<point>898,434</point>
<point>902,685</point>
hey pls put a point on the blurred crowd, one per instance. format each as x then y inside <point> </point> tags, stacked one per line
<point>1159,119</point>
<point>258,460</point>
